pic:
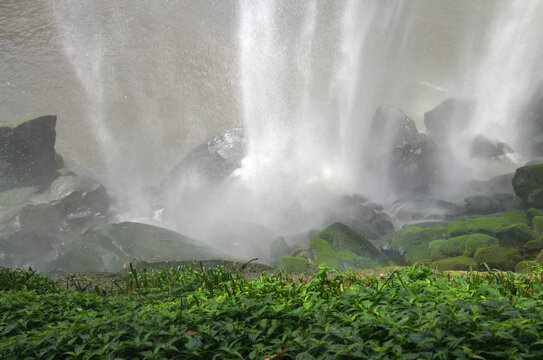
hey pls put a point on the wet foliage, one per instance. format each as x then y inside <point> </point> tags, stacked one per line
<point>210,313</point>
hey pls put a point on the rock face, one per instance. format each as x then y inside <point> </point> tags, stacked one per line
<point>112,246</point>
<point>407,153</point>
<point>212,161</point>
<point>528,185</point>
<point>449,116</point>
<point>484,148</point>
<point>365,217</point>
<point>27,153</point>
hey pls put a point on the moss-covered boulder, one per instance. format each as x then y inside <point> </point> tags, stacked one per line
<point>324,253</point>
<point>294,264</point>
<point>412,242</point>
<point>516,235</point>
<point>497,257</point>
<point>341,237</point>
<point>114,245</point>
<point>528,185</point>
<point>446,248</point>
<point>531,213</point>
<point>486,225</point>
<point>537,225</point>
<point>477,241</point>
<point>455,263</point>
<point>526,266</point>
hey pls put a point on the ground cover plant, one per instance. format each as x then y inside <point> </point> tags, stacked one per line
<point>199,313</point>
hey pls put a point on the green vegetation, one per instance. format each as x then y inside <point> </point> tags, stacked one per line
<point>413,241</point>
<point>497,257</point>
<point>486,225</point>
<point>338,259</point>
<point>188,313</point>
<point>455,263</point>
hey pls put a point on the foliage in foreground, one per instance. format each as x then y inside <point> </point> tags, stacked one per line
<point>211,314</point>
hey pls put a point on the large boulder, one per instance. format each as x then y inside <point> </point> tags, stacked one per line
<point>447,118</point>
<point>36,227</point>
<point>113,246</point>
<point>528,185</point>
<point>27,153</point>
<point>342,237</point>
<point>366,218</point>
<point>399,151</point>
<point>420,207</point>
<point>485,148</point>
<point>212,161</point>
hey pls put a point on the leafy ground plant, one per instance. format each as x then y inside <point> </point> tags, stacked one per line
<point>201,313</point>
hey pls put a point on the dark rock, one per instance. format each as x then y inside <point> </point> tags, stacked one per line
<point>407,153</point>
<point>27,153</point>
<point>419,207</point>
<point>448,117</point>
<point>484,148</point>
<point>482,204</point>
<point>214,160</point>
<point>367,218</point>
<point>497,184</point>
<point>114,245</point>
<point>528,185</point>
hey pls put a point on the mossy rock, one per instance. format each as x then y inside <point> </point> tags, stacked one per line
<point>447,248</point>
<point>516,235</point>
<point>539,258</point>
<point>497,257</point>
<point>537,225</point>
<point>118,244</point>
<point>412,242</point>
<point>455,263</point>
<point>528,185</point>
<point>486,225</point>
<point>338,259</point>
<point>294,264</point>
<point>477,241</point>
<point>279,248</point>
<point>341,237</point>
<point>533,246</point>
<point>526,266</point>
<point>531,214</point>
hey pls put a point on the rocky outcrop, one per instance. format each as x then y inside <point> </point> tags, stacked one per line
<point>214,160</point>
<point>27,153</point>
<point>528,185</point>
<point>407,154</point>
<point>448,117</point>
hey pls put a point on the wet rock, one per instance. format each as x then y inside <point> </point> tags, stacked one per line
<point>530,124</point>
<point>484,148</point>
<point>112,246</point>
<point>419,207</point>
<point>214,160</point>
<point>369,219</point>
<point>407,153</point>
<point>528,185</point>
<point>482,204</point>
<point>448,117</point>
<point>27,154</point>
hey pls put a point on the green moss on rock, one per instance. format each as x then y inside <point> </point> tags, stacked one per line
<point>338,259</point>
<point>531,214</point>
<point>497,257</point>
<point>537,224</point>
<point>477,241</point>
<point>528,185</point>
<point>412,242</point>
<point>294,264</point>
<point>516,235</point>
<point>486,225</point>
<point>455,263</point>
<point>341,237</point>
<point>526,266</point>
<point>446,248</point>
